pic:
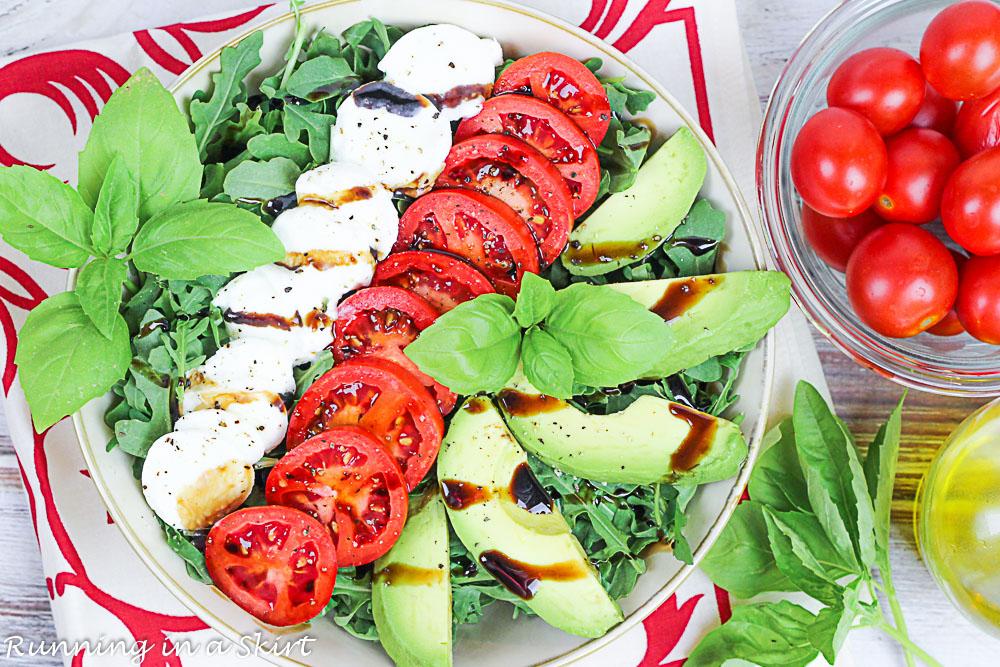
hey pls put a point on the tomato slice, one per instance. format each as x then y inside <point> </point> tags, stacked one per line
<point>443,280</point>
<point>382,398</point>
<point>518,175</point>
<point>549,131</point>
<point>380,322</point>
<point>352,484</point>
<point>563,82</point>
<point>477,227</point>
<point>276,563</point>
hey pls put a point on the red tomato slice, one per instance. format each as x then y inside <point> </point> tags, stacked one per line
<point>521,177</point>
<point>352,484</point>
<point>276,563</point>
<point>380,322</point>
<point>563,82</point>
<point>550,132</point>
<point>383,399</point>
<point>443,280</point>
<point>477,227</point>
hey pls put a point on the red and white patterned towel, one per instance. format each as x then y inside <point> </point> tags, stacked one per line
<point>100,591</point>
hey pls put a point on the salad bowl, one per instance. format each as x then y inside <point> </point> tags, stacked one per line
<point>500,640</point>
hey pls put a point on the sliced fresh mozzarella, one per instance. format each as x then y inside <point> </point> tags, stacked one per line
<point>450,65</point>
<point>400,137</point>
<point>239,372</point>
<point>192,478</point>
<point>260,421</point>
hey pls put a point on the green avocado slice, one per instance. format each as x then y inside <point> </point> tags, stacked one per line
<point>711,315</point>
<point>629,225</point>
<point>510,524</point>
<point>652,440</point>
<point>411,590</point>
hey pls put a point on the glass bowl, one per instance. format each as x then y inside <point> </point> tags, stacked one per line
<point>958,365</point>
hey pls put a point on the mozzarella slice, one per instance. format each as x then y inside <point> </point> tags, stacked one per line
<point>450,65</point>
<point>192,478</point>
<point>241,371</point>
<point>400,137</point>
<point>259,421</point>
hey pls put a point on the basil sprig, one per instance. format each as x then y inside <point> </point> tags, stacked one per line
<point>140,176</point>
<point>581,336</point>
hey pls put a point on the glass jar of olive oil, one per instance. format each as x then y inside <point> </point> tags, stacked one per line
<point>958,517</point>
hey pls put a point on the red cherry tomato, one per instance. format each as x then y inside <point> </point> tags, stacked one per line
<point>564,82</point>
<point>978,303</point>
<point>839,163</point>
<point>276,563</point>
<point>960,50</point>
<point>920,162</point>
<point>936,113</point>
<point>348,481</point>
<point>970,208</point>
<point>443,280</point>
<point>901,280</point>
<point>978,125</point>
<point>834,239</point>
<point>950,325</point>
<point>884,85</point>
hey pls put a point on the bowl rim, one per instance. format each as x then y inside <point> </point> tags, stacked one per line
<point>752,229</point>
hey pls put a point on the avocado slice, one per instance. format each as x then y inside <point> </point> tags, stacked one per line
<point>713,314</point>
<point>631,224</point>
<point>513,529</point>
<point>652,440</point>
<point>411,589</point>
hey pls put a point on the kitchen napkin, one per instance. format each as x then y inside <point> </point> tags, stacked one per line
<point>101,592</point>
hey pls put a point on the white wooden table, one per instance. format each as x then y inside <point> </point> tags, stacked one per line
<point>771,30</point>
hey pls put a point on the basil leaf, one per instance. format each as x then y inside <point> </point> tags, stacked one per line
<point>99,288</point>
<point>299,119</point>
<point>777,480</point>
<point>610,337</point>
<point>43,217</point>
<point>183,547</point>
<point>64,361</point>
<point>770,634</point>
<point>200,238</point>
<point>795,558</point>
<point>829,630</point>
<point>116,214</point>
<point>741,560</point>
<point>262,180</point>
<point>236,63</point>
<point>269,146</point>
<point>880,472</point>
<point>141,122</point>
<point>705,226</point>
<point>547,364</point>
<point>534,300</point>
<point>473,347</point>
<point>321,75</point>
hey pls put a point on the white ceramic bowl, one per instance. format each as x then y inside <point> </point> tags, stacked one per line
<point>499,640</point>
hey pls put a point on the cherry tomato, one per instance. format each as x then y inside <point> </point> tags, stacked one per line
<point>476,227</point>
<point>380,322</point>
<point>839,163</point>
<point>950,325</point>
<point>978,303</point>
<point>884,85</point>
<point>348,481</point>
<point>549,131</point>
<point>519,176</point>
<point>276,563</point>
<point>970,208</point>
<point>901,280</point>
<point>564,82</point>
<point>384,399</point>
<point>960,50</point>
<point>936,113</point>
<point>978,125</point>
<point>443,280</point>
<point>920,162</point>
<point>834,239</point>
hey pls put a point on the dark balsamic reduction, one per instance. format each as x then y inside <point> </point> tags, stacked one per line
<point>259,319</point>
<point>681,295</point>
<point>604,253</point>
<point>280,203</point>
<point>459,94</point>
<point>697,245</point>
<point>458,494</point>
<point>698,440</point>
<point>402,574</point>
<point>382,95</point>
<point>680,391</point>
<point>524,579</point>
<point>528,493</point>
<point>519,404</point>
<point>359,193</point>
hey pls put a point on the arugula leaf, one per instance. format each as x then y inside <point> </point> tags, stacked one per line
<point>142,124</point>
<point>269,146</point>
<point>351,605</point>
<point>741,560</point>
<point>622,98</point>
<point>116,214</point>
<point>200,238</point>
<point>183,547</point>
<point>703,226</point>
<point>99,289</point>
<point>148,393</point>
<point>64,360</point>
<point>374,35</point>
<point>773,634</point>
<point>534,300</point>
<point>43,217</point>
<point>709,370</point>
<point>262,181</point>
<point>299,119</point>
<point>621,153</point>
<point>547,363</point>
<point>880,472</point>
<point>323,76</point>
<point>306,375</point>
<point>471,348</point>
